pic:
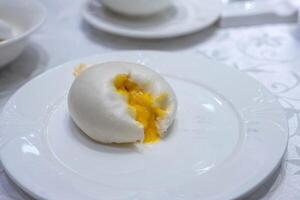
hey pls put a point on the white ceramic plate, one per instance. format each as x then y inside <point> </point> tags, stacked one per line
<point>184,17</point>
<point>229,135</point>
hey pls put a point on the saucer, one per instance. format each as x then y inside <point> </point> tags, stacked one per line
<point>184,17</point>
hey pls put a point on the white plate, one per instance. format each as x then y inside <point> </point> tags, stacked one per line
<point>229,135</point>
<point>184,17</point>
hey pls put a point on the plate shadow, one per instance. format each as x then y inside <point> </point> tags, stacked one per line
<point>30,63</point>
<point>88,142</point>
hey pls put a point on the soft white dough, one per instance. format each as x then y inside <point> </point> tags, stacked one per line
<point>103,114</point>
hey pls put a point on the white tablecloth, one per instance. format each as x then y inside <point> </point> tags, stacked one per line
<point>269,53</point>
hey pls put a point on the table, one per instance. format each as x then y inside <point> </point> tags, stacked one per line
<point>269,53</point>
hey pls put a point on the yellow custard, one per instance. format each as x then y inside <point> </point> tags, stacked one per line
<point>147,108</point>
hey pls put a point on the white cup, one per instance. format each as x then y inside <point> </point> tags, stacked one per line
<point>136,7</point>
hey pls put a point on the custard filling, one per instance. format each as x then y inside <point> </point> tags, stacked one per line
<point>148,110</point>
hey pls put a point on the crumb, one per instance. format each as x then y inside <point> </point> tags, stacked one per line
<point>79,69</point>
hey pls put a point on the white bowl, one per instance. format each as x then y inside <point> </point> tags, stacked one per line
<point>136,7</point>
<point>25,16</point>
